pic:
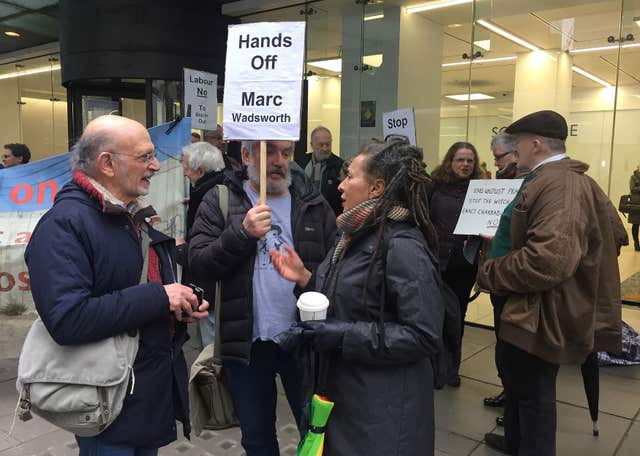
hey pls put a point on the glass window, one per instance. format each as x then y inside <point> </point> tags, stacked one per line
<point>33,106</point>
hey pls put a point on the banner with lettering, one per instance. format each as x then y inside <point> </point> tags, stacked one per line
<point>28,191</point>
<point>263,81</point>
<point>201,98</point>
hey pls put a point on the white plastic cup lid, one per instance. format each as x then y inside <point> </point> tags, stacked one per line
<point>312,301</point>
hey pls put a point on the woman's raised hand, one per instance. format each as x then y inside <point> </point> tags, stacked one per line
<point>290,266</point>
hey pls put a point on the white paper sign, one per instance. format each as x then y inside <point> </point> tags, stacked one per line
<point>483,205</point>
<point>400,122</point>
<point>201,98</point>
<point>263,81</point>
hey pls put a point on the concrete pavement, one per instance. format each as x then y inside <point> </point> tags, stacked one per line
<point>461,419</point>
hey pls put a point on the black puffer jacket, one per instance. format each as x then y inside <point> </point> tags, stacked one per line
<point>222,252</point>
<point>196,193</point>
<point>382,382</point>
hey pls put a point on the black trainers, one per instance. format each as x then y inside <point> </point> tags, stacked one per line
<point>496,401</point>
<point>496,442</point>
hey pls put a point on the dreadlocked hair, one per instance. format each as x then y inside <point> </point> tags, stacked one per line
<point>402,169</point>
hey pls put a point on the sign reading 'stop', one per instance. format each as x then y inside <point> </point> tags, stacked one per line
<point>263,80</point>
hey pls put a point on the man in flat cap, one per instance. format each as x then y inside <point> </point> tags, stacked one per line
<point>559,272</point>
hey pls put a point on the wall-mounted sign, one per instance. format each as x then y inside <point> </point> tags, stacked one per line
<point>201,98</point>
<point>368,114</point>
<point>483,205</point>
<point>263,80</point>
<point>400,122</point>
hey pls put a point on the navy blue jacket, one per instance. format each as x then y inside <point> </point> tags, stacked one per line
<point>84,261</point>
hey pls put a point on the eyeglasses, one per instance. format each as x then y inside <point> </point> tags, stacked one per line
<point>144,158</point>
<point>497,158</point>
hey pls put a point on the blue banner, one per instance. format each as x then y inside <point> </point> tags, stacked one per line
<point>33,187</point>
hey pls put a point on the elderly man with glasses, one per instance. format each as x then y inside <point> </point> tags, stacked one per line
<point>87,262</point>
<point>502,147</point>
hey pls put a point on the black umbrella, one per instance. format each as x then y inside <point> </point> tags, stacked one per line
<point>591,380</point>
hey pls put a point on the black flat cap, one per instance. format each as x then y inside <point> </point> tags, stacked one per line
<point>549,124</point>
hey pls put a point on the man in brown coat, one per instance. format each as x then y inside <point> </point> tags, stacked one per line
<point>561,278</point>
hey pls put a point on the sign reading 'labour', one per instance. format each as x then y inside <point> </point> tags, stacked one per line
<point>201,98</point>
<point>400,122</point>
<point>263,80</point>
<point>483,205</point>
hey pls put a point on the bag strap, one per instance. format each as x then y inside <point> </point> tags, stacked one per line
<point>223,203</point>
<point>145,241</point>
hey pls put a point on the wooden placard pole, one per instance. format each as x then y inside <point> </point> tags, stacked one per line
<point>263,172</point>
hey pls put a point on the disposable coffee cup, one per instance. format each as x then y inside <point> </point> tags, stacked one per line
<point>312,306</point>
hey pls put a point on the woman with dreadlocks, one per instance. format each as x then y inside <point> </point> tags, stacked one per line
<point>385,316</point>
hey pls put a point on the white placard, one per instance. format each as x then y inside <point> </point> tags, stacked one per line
<point>201,98</point>
<point>263,81</point>
<point>483,205</point>
<point>400,122</point>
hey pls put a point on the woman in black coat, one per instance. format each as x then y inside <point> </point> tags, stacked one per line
<point>450,183</point>
<point>386,311</point>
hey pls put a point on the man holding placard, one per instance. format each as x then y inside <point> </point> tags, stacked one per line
<point>271,205</point>
<point>257,304</point>
<point>560,274</point>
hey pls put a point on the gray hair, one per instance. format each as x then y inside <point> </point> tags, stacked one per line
<point>86,150</point>
<point>203,155</point>
<point>317,129</point>
<point>252,146</point>
<point>556,145</point>
<point>505,141</point>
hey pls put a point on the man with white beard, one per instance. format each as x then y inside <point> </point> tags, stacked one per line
<point>257,304</point>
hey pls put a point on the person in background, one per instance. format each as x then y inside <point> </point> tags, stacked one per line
<point>85,263</point>
<point>15,154</point>
<point>634,215</point>
<point>257,304</point>
<point>216,138</point>
<point>503,148</point>
<point>202,164</point>
<point>450,182</point>
<point>323,167</point>
<point>195,137</point>
<point>557,265</point>
<point>386,310</point>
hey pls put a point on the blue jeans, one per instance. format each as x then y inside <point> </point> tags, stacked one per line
<point>253,389</point>
<point>94,446</point>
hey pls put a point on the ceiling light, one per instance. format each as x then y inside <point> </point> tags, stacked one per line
<point>480,60</point>
<point>483,44</point>
<point>603,48</point>
<point>334,65</point>
<point>511,37</point>
<point>470,97</point>
<point>454,25</point>
<point>435,5</point>
<point>588,75</point>
<point>12,34</point>
<point>31,71</point>
<point>374,17</point>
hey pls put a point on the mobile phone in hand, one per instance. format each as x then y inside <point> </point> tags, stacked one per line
<point>199,292</point>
